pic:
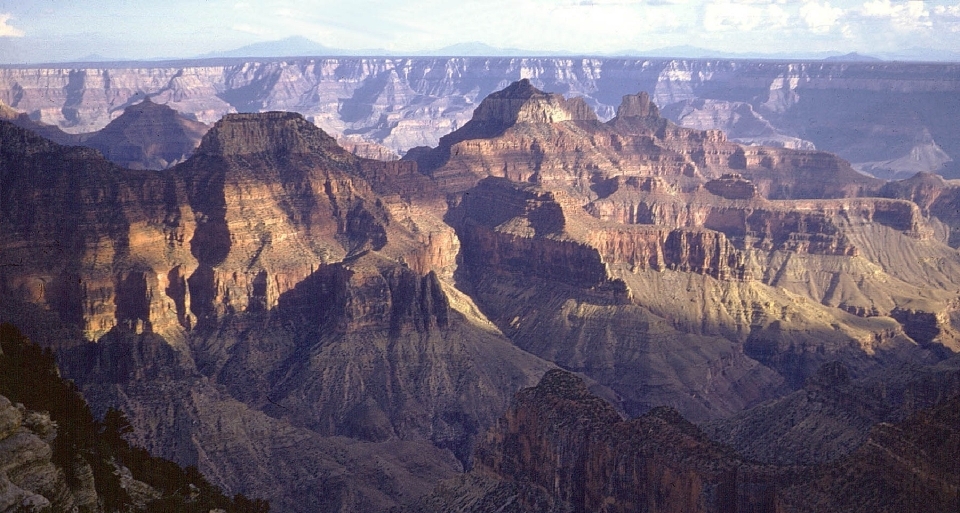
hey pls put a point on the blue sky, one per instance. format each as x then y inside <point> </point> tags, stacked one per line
<point>129,29</point>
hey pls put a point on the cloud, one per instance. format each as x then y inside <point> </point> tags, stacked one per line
<point>820,18</point>
<point>951,11</point>
<point>727,15</point>
<point>902,15</point>
<point>947,16</point>
<point>7,30</point>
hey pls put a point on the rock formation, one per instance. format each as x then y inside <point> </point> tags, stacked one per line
<point>29,481</point>
<point>147,136</point>
<point>368,321</point>
<point>239,282</point>
<point>832,415</point>
<point>887,118</point>
<point>559,448</point>
<point>653,237</point>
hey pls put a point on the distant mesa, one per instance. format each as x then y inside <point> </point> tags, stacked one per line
<point>267,132</point>
<point>147,135</point>
<point>852,57</point>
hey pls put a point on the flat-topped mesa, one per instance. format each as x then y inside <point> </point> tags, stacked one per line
<point>638,106</point>
<point>732,186</point>
<point>521,102</point>
<point>266,132</point>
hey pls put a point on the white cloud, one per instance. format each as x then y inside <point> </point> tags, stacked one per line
<point>903,15</point>
<point>741,16</point>
<point>952,11</point>
<point>820,18</point>
<point>947,16</point>
<point>8,30</point>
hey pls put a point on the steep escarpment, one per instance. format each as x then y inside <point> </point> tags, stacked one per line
<point>559,448</point>
<point>307,308</point>
<point>239,282</point>
<point>891,119</point>
<point>616,257</point>
<point>526,135</point>
<point>69,219</point>
<point>573,447</point>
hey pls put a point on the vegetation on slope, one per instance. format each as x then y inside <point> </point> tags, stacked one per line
<point>29,375</point>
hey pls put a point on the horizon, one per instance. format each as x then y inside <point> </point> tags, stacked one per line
<point>46,31</point>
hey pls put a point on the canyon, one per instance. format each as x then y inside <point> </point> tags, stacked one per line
<point>891,119</point>
<point>332,332</point>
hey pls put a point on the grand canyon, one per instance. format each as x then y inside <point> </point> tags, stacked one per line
<point>492,284</point>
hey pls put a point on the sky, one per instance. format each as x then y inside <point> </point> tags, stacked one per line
<point>58,30</point>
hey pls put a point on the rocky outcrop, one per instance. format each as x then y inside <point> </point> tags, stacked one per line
<point>147,136</point>
<point>513,136</point>
<point>599,246</point>
<point>833,414</point>
<point>936,198</point>
<point>284,289</point>
<point>29,480</point>
<point>560,448</point>
<point>897,463</point>
<point>573,446</point>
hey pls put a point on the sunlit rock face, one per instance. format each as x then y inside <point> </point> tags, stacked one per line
<point>889,119</point>
<point>240,281</point>
<point>621,234</point>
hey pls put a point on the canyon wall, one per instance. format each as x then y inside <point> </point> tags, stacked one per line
<point>890,119</point>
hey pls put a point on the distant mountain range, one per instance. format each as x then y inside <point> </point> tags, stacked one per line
<point>20,52</point>
<point>298,46</point>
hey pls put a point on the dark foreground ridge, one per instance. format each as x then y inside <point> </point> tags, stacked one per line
<point>560,448</point>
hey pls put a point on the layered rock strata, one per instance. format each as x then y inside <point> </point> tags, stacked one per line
<point>284,289</point>
<point>889,118</point>
<point>702,245</point>
<point>559,448</point>
<point>240,281</point>
<point>147,136</point>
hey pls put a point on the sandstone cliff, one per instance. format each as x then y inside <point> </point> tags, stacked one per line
<point>239,282</point>
<point>369,320</point>
<point>887,118</point>
<point>526,135</point>
<point>609,258</point>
